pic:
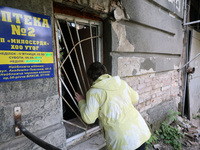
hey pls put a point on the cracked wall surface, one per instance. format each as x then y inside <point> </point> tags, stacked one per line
<point>147,44</point>
<point>155,35</point>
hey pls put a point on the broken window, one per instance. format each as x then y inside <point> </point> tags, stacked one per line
<point>195,13</point>
<point>78,44</point>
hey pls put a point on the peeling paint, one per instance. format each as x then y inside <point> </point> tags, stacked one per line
<point>119,14</point>
<point>147,64</point>
<point>124,44</point>
<point>132,66</point>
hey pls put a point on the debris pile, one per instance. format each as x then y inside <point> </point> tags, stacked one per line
<point>190,131</point>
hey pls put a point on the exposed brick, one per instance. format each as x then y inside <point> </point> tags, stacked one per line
<point>147,89</point>
<point>153,96</point>
<point>154,92</point>
<point>145,97</point>
<point>157,101</point>
<point>141,86</point>
<point>155,88</point>
<point>175,84</point>
<point>149,84</point>
<point>175,90</point>
<point>159,93</point>
<point>141,80</point>
<point>167,81</point>
<point>156,85</point>
<point>166,87</point>
<point>148,80</point>
<point>166,95</point>
<point>141,99</point>
<point>176,75</point>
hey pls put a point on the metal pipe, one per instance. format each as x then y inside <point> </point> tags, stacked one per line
<point>35,139</point>
<point>185,82</point>
<point>184,94</point>
<point>189,62</point>
<point>185,12</point>
<point>192,22</point>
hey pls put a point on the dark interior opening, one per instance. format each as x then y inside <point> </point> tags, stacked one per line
<point>195,13</point>
<point>86,47</point>
<point>187,100</point>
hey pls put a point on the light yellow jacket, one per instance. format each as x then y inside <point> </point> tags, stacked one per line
<point>111,100</point>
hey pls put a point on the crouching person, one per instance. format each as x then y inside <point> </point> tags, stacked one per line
<point>111,100</point>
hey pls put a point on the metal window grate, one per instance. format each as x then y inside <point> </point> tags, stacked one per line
<point>78,45</point>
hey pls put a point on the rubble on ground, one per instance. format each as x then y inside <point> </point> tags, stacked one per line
<point>191,138</point>
<point>191,133</point>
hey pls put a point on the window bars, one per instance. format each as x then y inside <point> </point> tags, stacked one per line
<point>78,62</point>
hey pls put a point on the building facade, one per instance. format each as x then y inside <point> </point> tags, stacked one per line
<point>142,41</point>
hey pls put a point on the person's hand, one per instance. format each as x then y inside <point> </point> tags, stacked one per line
<point>79,97</point>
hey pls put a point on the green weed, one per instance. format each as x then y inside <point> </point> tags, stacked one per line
<point>167,133</point>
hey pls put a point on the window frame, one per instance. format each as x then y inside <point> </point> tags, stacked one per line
<point>74,139</point>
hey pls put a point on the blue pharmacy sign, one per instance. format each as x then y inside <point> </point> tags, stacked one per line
<point>25,45</point>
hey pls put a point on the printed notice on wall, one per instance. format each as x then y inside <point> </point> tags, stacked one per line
<point>25,45</point>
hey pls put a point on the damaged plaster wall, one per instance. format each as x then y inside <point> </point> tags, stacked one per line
<point>148,30</point>
<point>123,45</point>
<point>147,43</point>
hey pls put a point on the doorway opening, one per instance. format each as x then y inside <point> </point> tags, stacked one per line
<point>79,43</point>
<point>193,17</point>
<point>195,13</point>
<point>187,103</point>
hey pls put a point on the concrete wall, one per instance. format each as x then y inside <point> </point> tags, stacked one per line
<point>41,110</point>
<point>143,43</point>
<point>146,47</point>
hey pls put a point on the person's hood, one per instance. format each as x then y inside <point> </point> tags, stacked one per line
<point>107,82</point>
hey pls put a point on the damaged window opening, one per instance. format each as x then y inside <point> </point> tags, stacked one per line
<point>78,45</point>
<point>195,13</point>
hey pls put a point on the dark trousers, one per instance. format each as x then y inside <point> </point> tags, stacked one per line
<point>142,147</point>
